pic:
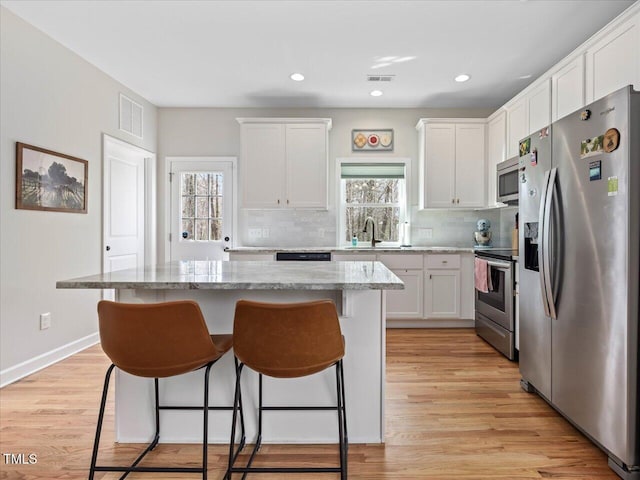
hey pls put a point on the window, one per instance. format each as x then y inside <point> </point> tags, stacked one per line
<point>201,206</point>
<point>375,190</point>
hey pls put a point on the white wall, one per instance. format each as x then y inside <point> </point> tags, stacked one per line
<point>51,98</point>
<point>214,131</point>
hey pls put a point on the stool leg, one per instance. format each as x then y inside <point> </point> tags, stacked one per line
<point>340,422</point>
<point>205,413</point>
<point>103,403</point>
<point>344,406</point>
<point>234,419</point>
<point>243,436</point>
<point>157,435</point>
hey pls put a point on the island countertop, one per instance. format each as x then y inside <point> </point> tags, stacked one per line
<point>245,275</point>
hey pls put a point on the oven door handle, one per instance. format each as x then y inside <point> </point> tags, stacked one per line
<point>499,265</point>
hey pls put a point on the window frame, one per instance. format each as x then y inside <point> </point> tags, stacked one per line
<point>341,197</point>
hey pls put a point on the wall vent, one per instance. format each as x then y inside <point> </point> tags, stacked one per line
<point>380,78</point>
<point>131,114</point>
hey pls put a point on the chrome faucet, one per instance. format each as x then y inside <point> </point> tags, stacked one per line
<point>373,230</point>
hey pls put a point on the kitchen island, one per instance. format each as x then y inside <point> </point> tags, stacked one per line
<point>358,290</point>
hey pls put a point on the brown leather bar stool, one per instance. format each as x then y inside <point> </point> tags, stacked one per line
<point>158,341</point>
<point>288,341</point>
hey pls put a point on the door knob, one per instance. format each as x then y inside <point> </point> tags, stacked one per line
<point>108,248</point>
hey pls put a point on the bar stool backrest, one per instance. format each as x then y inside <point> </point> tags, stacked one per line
<point>155,340</point>
<point>287,340</point>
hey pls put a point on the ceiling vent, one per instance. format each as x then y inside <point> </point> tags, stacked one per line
<point>380,78</point>
<point>131,114</point>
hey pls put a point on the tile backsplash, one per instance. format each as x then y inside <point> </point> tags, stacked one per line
<point>287,228</point>
<point>297,228</point>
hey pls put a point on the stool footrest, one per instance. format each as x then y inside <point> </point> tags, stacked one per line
<point>149,469</point>
<point>285,470</point>
<point>189,407</point>
<point>298,408</point>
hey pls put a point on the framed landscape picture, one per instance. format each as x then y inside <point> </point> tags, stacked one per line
<point>46,180</point>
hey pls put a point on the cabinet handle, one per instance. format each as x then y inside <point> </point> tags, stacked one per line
<point>429,276</point>
<point>444,261</point>
<point>453,200</point>
<point>287,201</point>
<point>278,201</point>
<point>458,201</point>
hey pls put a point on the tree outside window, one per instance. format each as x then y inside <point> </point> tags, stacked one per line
<point>377,198</point>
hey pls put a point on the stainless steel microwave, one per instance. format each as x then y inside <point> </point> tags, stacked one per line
<point>508,181</point>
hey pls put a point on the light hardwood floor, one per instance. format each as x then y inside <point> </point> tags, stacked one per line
<point>454,411</point>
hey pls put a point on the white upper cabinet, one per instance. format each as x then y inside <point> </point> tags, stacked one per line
<point>452,163</point>
<point>517,125</point>
<point>307,166</point>
<point>539,106</point>
<point>439,165</point>
<point>470,165</point>
<point>284,162</point>
<point>614,60</point>
<point>496,152</point>
<point>529,113</point>
<point>567,87</point>
<point>262,165</point>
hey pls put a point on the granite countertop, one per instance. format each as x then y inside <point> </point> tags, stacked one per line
<point>363,248</point>
<point>246,275</point>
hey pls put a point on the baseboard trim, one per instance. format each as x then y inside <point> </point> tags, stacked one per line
<point>15,373</point>
<point>431,323</point>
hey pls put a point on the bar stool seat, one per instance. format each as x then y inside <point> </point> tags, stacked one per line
<point>158,341</point>
<point>288,340</point>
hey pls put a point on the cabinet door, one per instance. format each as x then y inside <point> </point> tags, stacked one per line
<point>439,171</point>
<point>517,125</point>
<point>307,166</point>
<point>496,153</point>
<point>567,87</point>
<point>406,303</point>
<point>614,62</point>
<point>470,171</point>
<point>262,165</point>
<point>442,294</point>
<point>539,107</point>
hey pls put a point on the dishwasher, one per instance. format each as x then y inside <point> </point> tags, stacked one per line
<point>303,256</point>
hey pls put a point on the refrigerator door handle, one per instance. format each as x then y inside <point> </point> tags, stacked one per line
<point>547,241</point>
<point>543,245</point>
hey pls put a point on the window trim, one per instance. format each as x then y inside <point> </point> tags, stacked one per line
<point>341,201</point>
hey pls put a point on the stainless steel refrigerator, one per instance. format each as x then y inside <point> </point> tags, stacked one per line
<point>579,272</point>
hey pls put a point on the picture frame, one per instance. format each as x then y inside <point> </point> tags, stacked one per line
<point>50,181</point>
<point>372,140</point>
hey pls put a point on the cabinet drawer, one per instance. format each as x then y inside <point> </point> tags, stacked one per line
<point>439,260</point>
<point>401,261</point>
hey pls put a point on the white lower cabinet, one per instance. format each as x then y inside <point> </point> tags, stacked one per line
<point>406,303</point>
<point>437,286</point>
<point>442,294</point>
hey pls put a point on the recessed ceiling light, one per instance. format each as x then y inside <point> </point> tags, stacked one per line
<point>297,77</point>
<point>376,93</point>
<point>524,77</point>
<point>380,65</point>
<point>462,78</point>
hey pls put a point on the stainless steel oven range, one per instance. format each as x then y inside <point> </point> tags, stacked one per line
<point>495,310</point>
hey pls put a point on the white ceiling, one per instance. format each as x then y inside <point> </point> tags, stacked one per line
<point>241,53</point>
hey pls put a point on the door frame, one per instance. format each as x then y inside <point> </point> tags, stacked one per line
<point>150,243</point>
<point>167,200</point>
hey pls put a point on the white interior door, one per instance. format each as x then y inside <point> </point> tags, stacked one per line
<point>202,202</point>
<point>124,205</point>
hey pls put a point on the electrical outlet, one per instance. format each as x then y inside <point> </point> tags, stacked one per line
<point>427,232</point>
<point>321,232</point>
<point>265,233</point>
<point>255,233</point>
<point>45,320</point>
